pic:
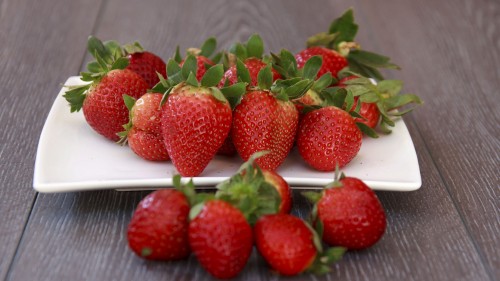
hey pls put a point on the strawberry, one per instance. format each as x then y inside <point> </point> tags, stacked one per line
<point>339,51</point>
<point>196,118</point>
<point>291,247</point>
<point>227,148</point>
<point>202,55</point>
<point>143,132</point>
<point>283,189</point>
<point>221,238</point>
<point>368,111</point>
<point>333,62</point>
<point>158,229</point>
<point>328,137</point>
<point>265,119</point>
<point>144,63</point>
<point>250,54</point>
<point>349,213</point>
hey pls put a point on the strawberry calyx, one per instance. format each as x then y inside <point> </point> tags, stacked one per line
<point>129,103</point>
<point>248,191</point>
<point>253,48</point>
<point>186,75</point>
<point>340,37</point>
<point>207,50</point>
<point>386,94</point>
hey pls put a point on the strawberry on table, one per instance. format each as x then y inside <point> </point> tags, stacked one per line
<point>159,227</point>
<point>143,132</point>
<point>265,118</point>
<point>102,98</point>
<point>251,54</point>
<point>349,212</point>
<point>291,247</point>
<point>339,51</point>
<point>196,117</point>
<point>144,63</point>
<point>221,238</point>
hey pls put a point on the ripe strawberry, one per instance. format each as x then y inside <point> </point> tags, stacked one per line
<point>146,64</point>
<point>203,55</point>
<point>291,247</point>
<point>143,132</point>
<point>333,62</point>
<point>251,54</point>
<point>221,239</point>
<point>283,189</point>
<point>265,119</point>
<point>159,227</point>
<point>328,137</point>
<point>350,213</point>
<point>227,148</point>
<point>196,119</point>
<point>339,51</point>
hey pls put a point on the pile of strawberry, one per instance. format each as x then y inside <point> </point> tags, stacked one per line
<point>252,208</point>
<point>323,99</point>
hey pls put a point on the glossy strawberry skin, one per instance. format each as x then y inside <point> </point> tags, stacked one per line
<point>146,113</point>
<point>146,64</point>
<point>253,65</point>
<point>283,189</point>
<point>103,107</point>
<point>147,145</point>
<point>369,111</point>
<point>194,126</point>
<point>262,122</point>
<point>221,239</point>
<point>333,62</point>
<point>158,229</point>
<point>311,97</point>
<point>328,136</point>
<point>285,242</point>
<point>352,215</point>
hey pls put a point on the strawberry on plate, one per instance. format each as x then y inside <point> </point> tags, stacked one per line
<point>349,213</point>
<point>102,98</point>
<point>205,57</point>
<point>143,132</point>
<point>144,63</point>
<point>196,117</point>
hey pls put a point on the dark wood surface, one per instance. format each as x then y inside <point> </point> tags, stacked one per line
<point>449,51</point>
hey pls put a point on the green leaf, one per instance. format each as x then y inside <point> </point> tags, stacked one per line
<point>312,67</point>
<point>367,130</point>
<point>164,98</point>
<point>191,80</point>
<point>255,46</point>
<point>334,254</point>
<point>372,59</point>
<point>401,100</point>
<point>390,87</point>
<point>324,81</point>
<point>364,70</point>
<point>95,46</point>
<point>213,76</point>
<point>265,78</point>
<point>87,76</point>
<point>75,96</point>
<point>172,68</point>
<point>94,67</point>
<point>242,72</point>
<point>369,97</point>
<point>208,47</point>
<point>133,48</point>
<point>216,92</point>
<point>321,39</point>
<point>239,51</point>
<point>349,100</point>
<point>217,57</point>
<point>101,62</point>
<point>234,93</point>
<point>177,55</point>
<point>190,66</point>
<point>312,196</point>
<point>129,101</point>
<point>344,27</point>
<point>120,63</point>
<point>196,210</point>
<point>114,49</point>
<point>298,89</point>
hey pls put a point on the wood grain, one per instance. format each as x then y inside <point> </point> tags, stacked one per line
<point>40,43</point>
<point>457,75</point>
<point>81,236</point>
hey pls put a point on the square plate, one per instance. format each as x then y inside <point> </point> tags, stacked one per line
<point>72,157</point>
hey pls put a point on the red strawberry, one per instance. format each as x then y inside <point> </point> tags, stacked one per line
<point>201,62</point>
<point>328,137</point>
<point>369,111</point>
<point>283,189</point>
<point>254,65</point>
<point>203,56</point>
<point>263,122</point>
<point>333,62</point>
<point>227,148</point>
<point>351,214</point>
<point>285,242</point>
<point>221,239</point>
<point>147,64</point>
<point>159,227</point>
<point>196,117</point>
<point>143,132</point>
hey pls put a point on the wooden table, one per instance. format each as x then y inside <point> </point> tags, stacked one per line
<point>450,55</point>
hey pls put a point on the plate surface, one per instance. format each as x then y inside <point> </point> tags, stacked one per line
<point>72,157</point>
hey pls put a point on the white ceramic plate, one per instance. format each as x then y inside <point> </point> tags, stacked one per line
<point>72,157</point>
